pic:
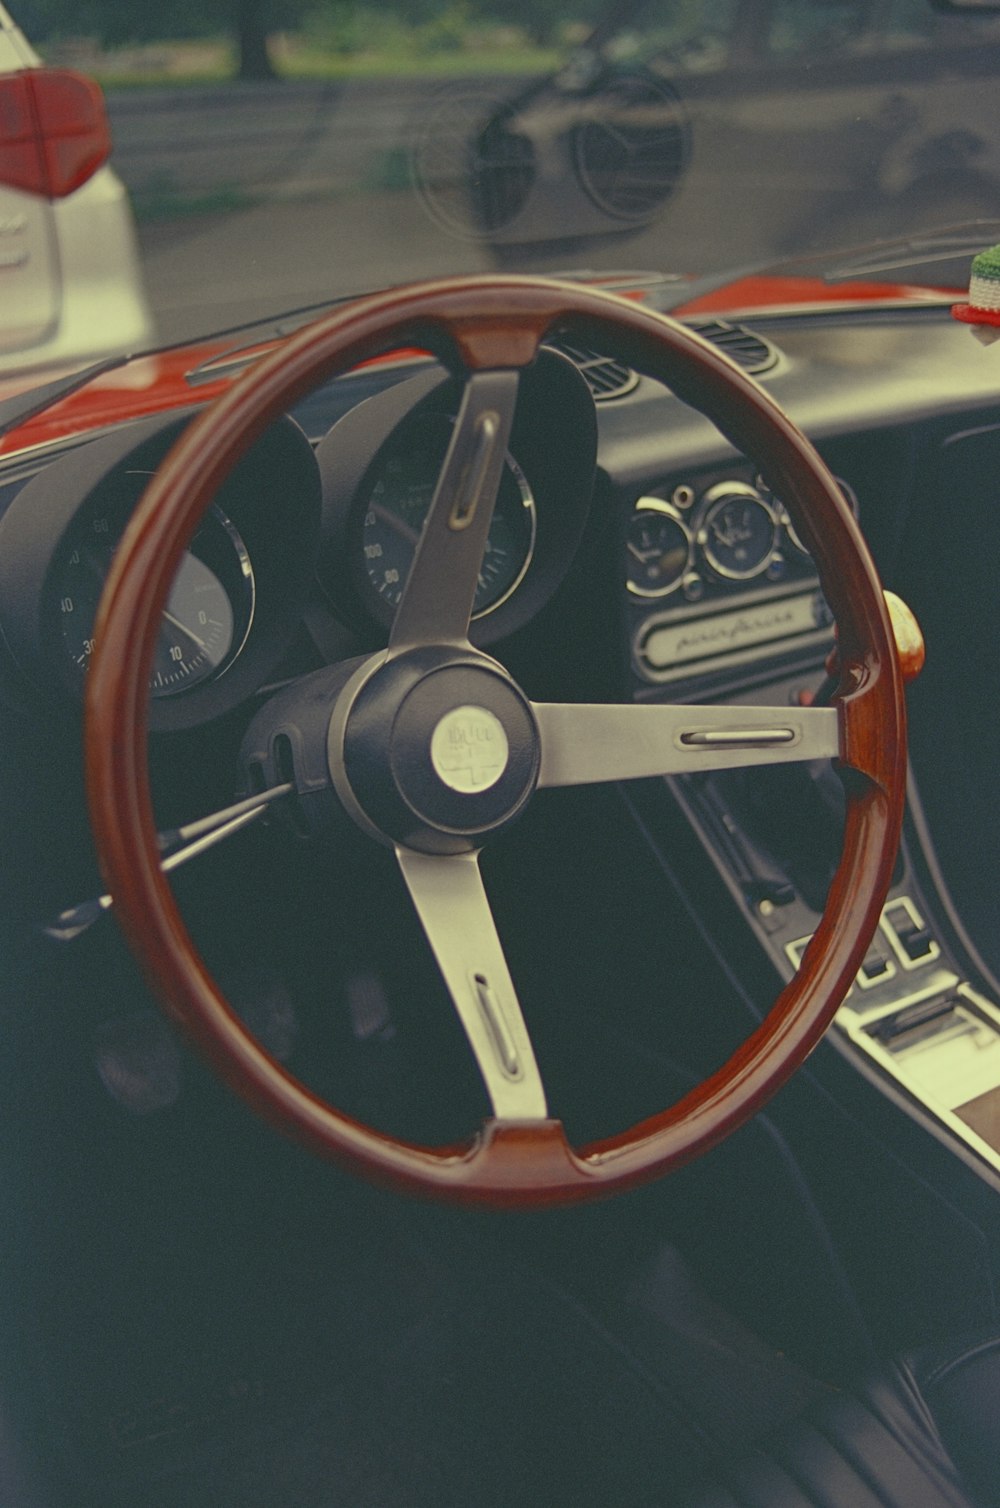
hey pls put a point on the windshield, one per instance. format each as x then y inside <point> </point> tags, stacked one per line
<point>321,148</point>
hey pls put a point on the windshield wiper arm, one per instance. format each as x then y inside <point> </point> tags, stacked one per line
<point>914,252</point>
<point>686,291</point>
<point>24,406</point>
<point>257,333</point>
<point>949,244</point>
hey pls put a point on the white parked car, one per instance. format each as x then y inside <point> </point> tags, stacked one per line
<point>70,281</point>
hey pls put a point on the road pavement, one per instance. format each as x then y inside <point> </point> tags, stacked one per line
<point>254,198</point>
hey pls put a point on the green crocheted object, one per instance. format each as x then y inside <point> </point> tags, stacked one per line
<point>984,284</point>
<point>987,264</point>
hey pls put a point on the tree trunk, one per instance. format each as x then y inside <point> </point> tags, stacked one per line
<point>255,60</point>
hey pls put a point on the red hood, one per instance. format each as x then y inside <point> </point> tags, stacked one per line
<point>145,385</point>
<point>771,293</point>
<point>158,383</point>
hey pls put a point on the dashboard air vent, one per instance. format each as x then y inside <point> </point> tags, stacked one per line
<point>606,377</point>
<point>749,351</point>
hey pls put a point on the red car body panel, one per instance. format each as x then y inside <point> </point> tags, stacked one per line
<point>157,383</point>
<point>759,292</point>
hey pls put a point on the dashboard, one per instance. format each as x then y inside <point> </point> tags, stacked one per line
<point>319,523</point>
<point>700,576</point>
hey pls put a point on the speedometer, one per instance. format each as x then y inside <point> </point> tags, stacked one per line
<point>399,500</point>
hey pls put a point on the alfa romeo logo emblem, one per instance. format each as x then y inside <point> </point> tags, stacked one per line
<point>469,749</point>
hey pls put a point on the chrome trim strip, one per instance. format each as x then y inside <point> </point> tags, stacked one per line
<point>752,738</point>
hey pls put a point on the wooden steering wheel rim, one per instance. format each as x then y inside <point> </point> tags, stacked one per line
<point>479,324</point>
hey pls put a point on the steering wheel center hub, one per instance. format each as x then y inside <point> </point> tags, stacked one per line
<point>469,749</point>
<point>439,750</point>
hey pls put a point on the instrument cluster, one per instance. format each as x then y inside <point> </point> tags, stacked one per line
<point>727,533</point>
<point>305,549</point>
<point>717,576</point>
<point>238,595</point>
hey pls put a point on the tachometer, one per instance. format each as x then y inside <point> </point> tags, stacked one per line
<point>399,501</point>
<point>207,616</point>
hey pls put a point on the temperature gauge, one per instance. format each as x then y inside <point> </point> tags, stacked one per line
<point>739,533</point>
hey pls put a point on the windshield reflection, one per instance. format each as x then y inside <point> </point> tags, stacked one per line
<point>684,138</point>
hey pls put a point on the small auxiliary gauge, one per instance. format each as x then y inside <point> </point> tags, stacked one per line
<point>739,531</point>
<point>658,548</point>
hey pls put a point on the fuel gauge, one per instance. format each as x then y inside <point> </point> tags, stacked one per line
<point>658,548</point>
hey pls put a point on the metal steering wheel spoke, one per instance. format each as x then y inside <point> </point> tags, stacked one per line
<point>585,744</point>
<point>452,904</point>
<point>439,595</point>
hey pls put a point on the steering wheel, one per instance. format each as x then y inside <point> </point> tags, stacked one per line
<point>431,748</point>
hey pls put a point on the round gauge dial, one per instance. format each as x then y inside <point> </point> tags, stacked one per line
<point>739,533</point>
<point>658,549</point>
<point>208,613</point>
<point>400,500</point>
<point>196,638</point>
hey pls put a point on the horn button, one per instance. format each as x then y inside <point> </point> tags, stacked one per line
<point>439,749</point>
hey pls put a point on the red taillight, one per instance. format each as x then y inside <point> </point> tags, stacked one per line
<point>53,130</point>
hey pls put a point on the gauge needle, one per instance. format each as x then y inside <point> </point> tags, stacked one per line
<point>176,623</point>
<point>194,838</point>
<point>401,527</point>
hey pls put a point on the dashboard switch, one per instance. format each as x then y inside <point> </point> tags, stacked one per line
<point>912,940</point>
<point>929,1016</point>
<point>876,967</point>
<point>917,943</point>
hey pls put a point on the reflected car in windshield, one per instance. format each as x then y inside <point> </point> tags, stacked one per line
<point>769,129</point>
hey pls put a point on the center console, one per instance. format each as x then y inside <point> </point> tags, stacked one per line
<point>724,605</point>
